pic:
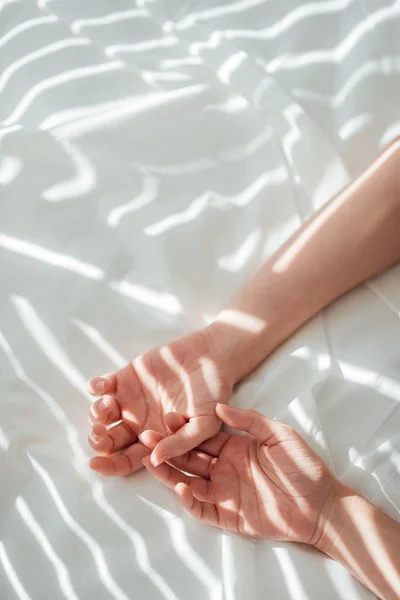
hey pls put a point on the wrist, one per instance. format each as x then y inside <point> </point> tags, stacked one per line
<point>337,519</point>
<point>221,341</point>
<point>235,338</point>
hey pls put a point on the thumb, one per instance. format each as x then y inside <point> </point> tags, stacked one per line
<point>174,421</point>
<point>259,426</point>
<point>190,435</point>
<point>150,438</point>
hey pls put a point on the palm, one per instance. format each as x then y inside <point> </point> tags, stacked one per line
<point>185,377</point>
<point>270,484</point>
<point>275,491</point>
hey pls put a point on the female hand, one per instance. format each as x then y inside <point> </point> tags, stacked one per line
<point>270,485</point>
<point>185,376</point>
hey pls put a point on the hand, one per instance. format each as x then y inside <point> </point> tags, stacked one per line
<point>185,376</point>
<point>271,485</point>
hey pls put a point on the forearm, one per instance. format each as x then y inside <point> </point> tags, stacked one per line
<point>366,541</point>
<point>352,238</point>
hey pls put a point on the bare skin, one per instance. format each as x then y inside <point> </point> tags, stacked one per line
<point>184,376</point>
<point>272,485</point>
<point>352,238</point>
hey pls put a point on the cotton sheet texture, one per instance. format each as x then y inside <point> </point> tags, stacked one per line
<point>152,156</point>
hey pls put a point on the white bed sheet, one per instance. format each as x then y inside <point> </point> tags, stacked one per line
<point>152,156</point>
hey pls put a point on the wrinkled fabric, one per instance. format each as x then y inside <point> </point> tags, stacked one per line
<point>152,156</point>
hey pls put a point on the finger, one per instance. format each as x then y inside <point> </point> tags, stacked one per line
<point>205,511</point>
<point>105,410</point>
<point>107,441</point>
<point>190,435</point>
<point>194,462</point>
<point>122,464</point>
<point>106,384</point>
<point>201,488</point>
<point>150,438</point>
<point>174,421</point>
<point>259,426</point>
<point>214,445</point>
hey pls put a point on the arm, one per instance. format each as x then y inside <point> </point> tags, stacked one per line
<point>352,238</point>
<point>366,541</point>
<point>271,484</point>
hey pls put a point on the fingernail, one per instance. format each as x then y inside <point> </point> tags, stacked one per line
<point>99,385</point>
<point>158,461</point>
<point>95,437</point>
<point>102,405</point>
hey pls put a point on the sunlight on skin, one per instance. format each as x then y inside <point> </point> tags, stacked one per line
<point>370,538</point>
<point>149,193</point>
<point>59,567</point>
<point>115,17</point>
<point>99,340</point>
<point>230,65</point>
<point>9,169</point>
<point>290,254</point>
<point>236,261</point>
<point>52,82</point>
<point>12,575</point>
<point>184,550</point>
<point>162,301</point>
<point>149,380</point>
<point>48,344</point>
<point>241,320</point>
<point>177,368</point>
<point>290,575</point>
<point>50,257</point>
<point>36,54</point>
<point>82,183</point>
<point>211,376</point>
<point>26,25</point>
<point>337,54</point>
<point>95,549</point>
<point>121,109</point>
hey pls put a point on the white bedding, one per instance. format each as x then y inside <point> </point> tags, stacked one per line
<point>152,156</point>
